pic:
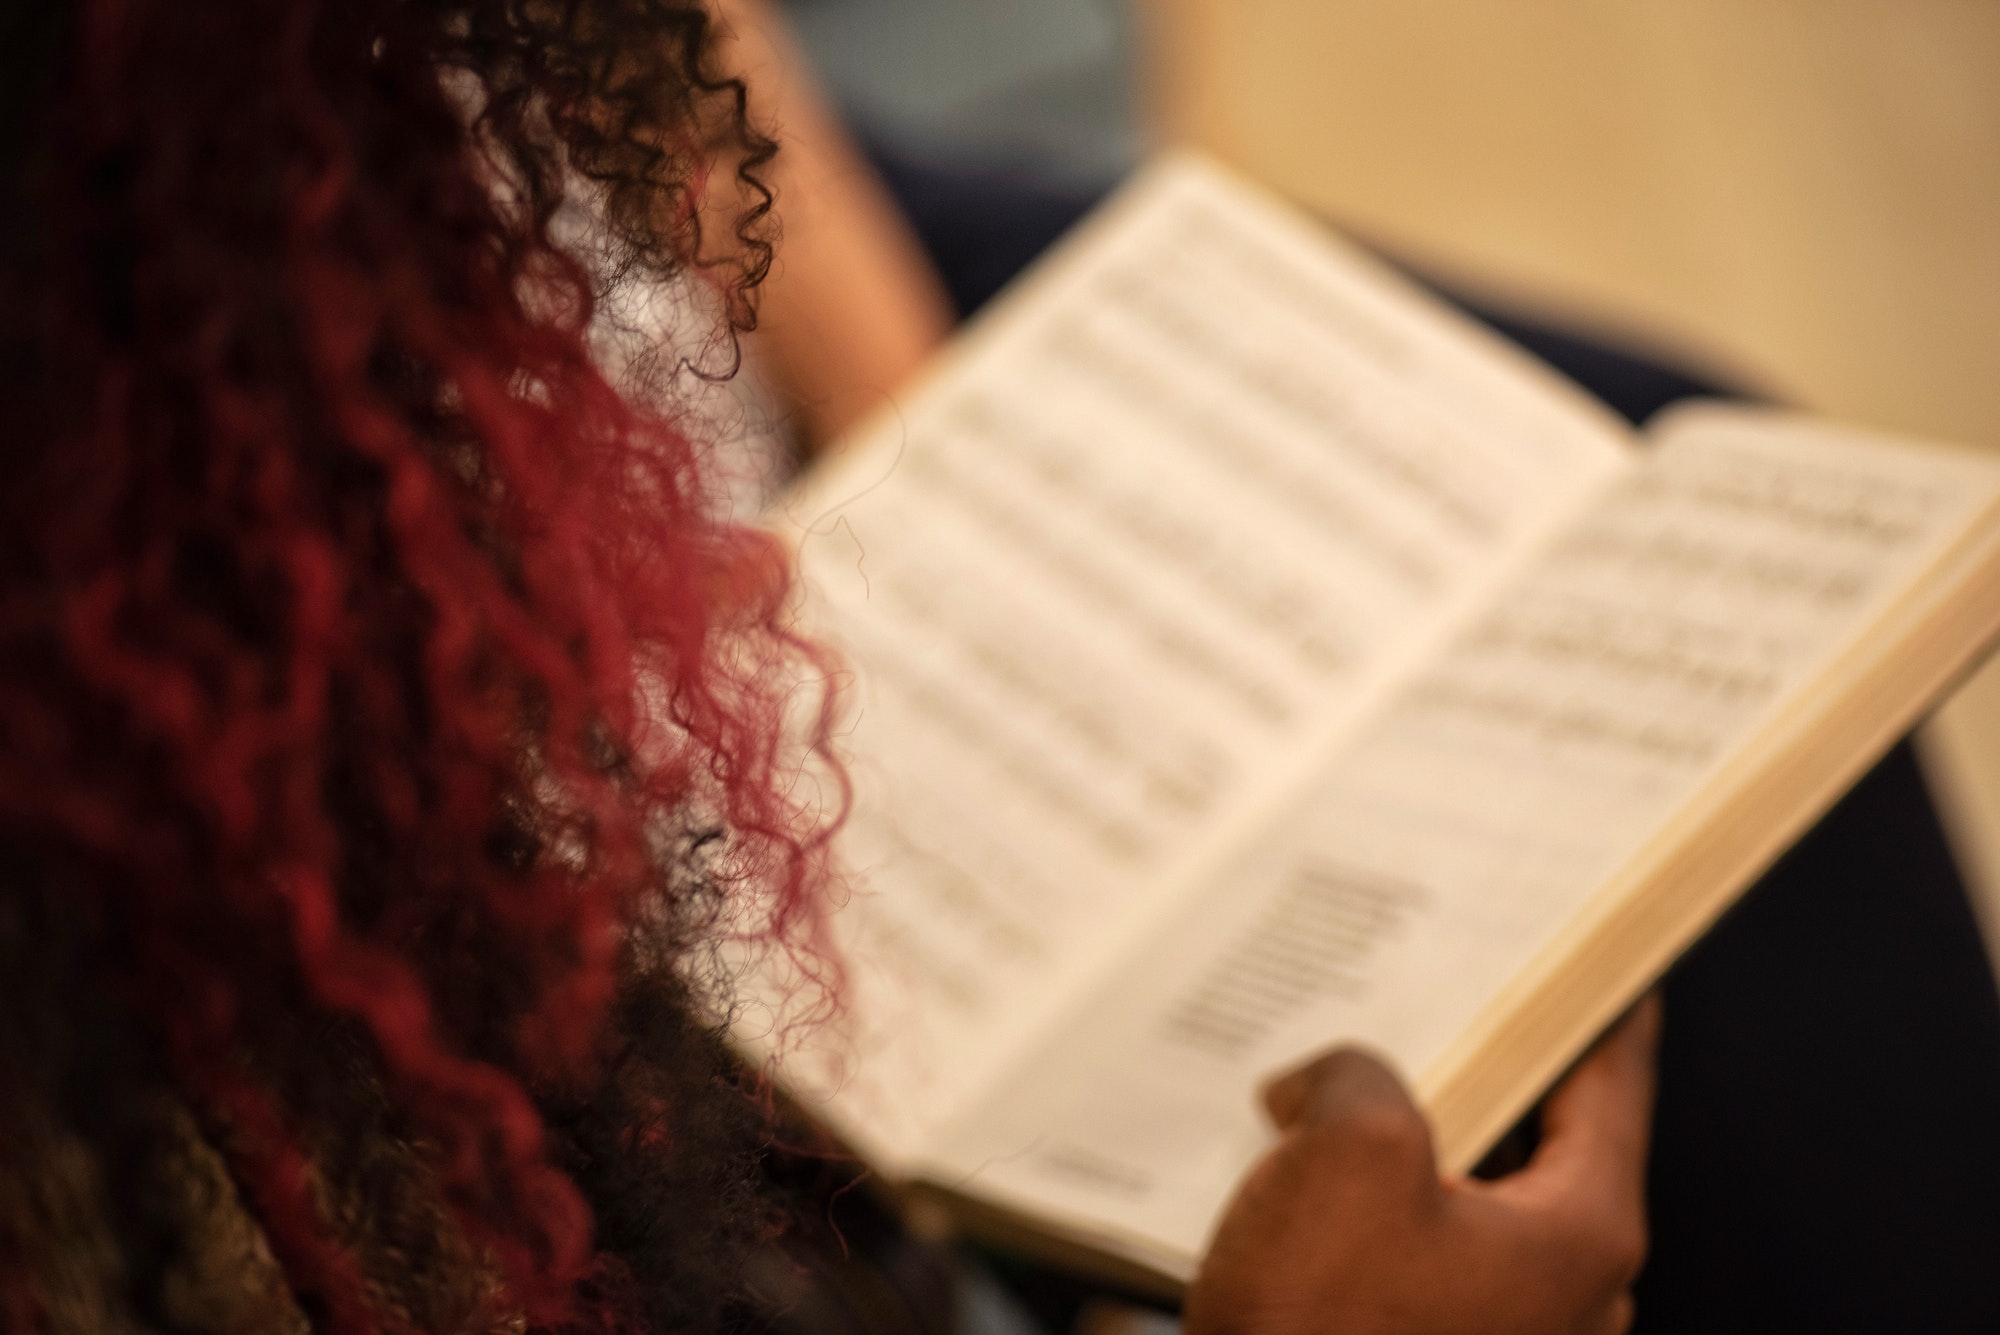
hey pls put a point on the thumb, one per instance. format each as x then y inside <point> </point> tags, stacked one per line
<point>1350,1094</point>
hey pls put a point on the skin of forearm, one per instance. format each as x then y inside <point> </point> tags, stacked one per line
<point>852,306</point>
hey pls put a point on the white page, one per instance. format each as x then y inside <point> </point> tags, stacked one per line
<point>1474,819</point>
<point>1126,570</point>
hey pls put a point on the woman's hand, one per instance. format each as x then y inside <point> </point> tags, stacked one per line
<point>1347,1229</point>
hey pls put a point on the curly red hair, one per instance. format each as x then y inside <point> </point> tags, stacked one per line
<point>377,698</point>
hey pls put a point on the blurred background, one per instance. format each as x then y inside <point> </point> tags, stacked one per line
<point>1048,87</point>
<point>1801,197</point>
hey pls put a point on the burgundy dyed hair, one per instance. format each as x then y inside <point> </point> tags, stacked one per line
<point>382,720</point>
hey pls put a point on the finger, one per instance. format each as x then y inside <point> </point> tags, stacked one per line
<point>1286,1096</point>
<point>1616,1319</point>
<point>1601,1117</point>
<point>1596,1128</point>
<point>1353,1096</point>
<point>1337,1085</point>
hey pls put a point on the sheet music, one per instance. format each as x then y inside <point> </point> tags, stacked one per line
<point>1475,817</point>
<point>1125,573</point>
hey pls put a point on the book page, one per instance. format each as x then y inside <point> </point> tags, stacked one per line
<point>1121,573</point>
<point>1473,820</point>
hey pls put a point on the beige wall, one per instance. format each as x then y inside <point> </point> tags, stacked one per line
<point>1807,188</point>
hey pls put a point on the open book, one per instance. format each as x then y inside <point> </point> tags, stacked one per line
<point>1252,655</point>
